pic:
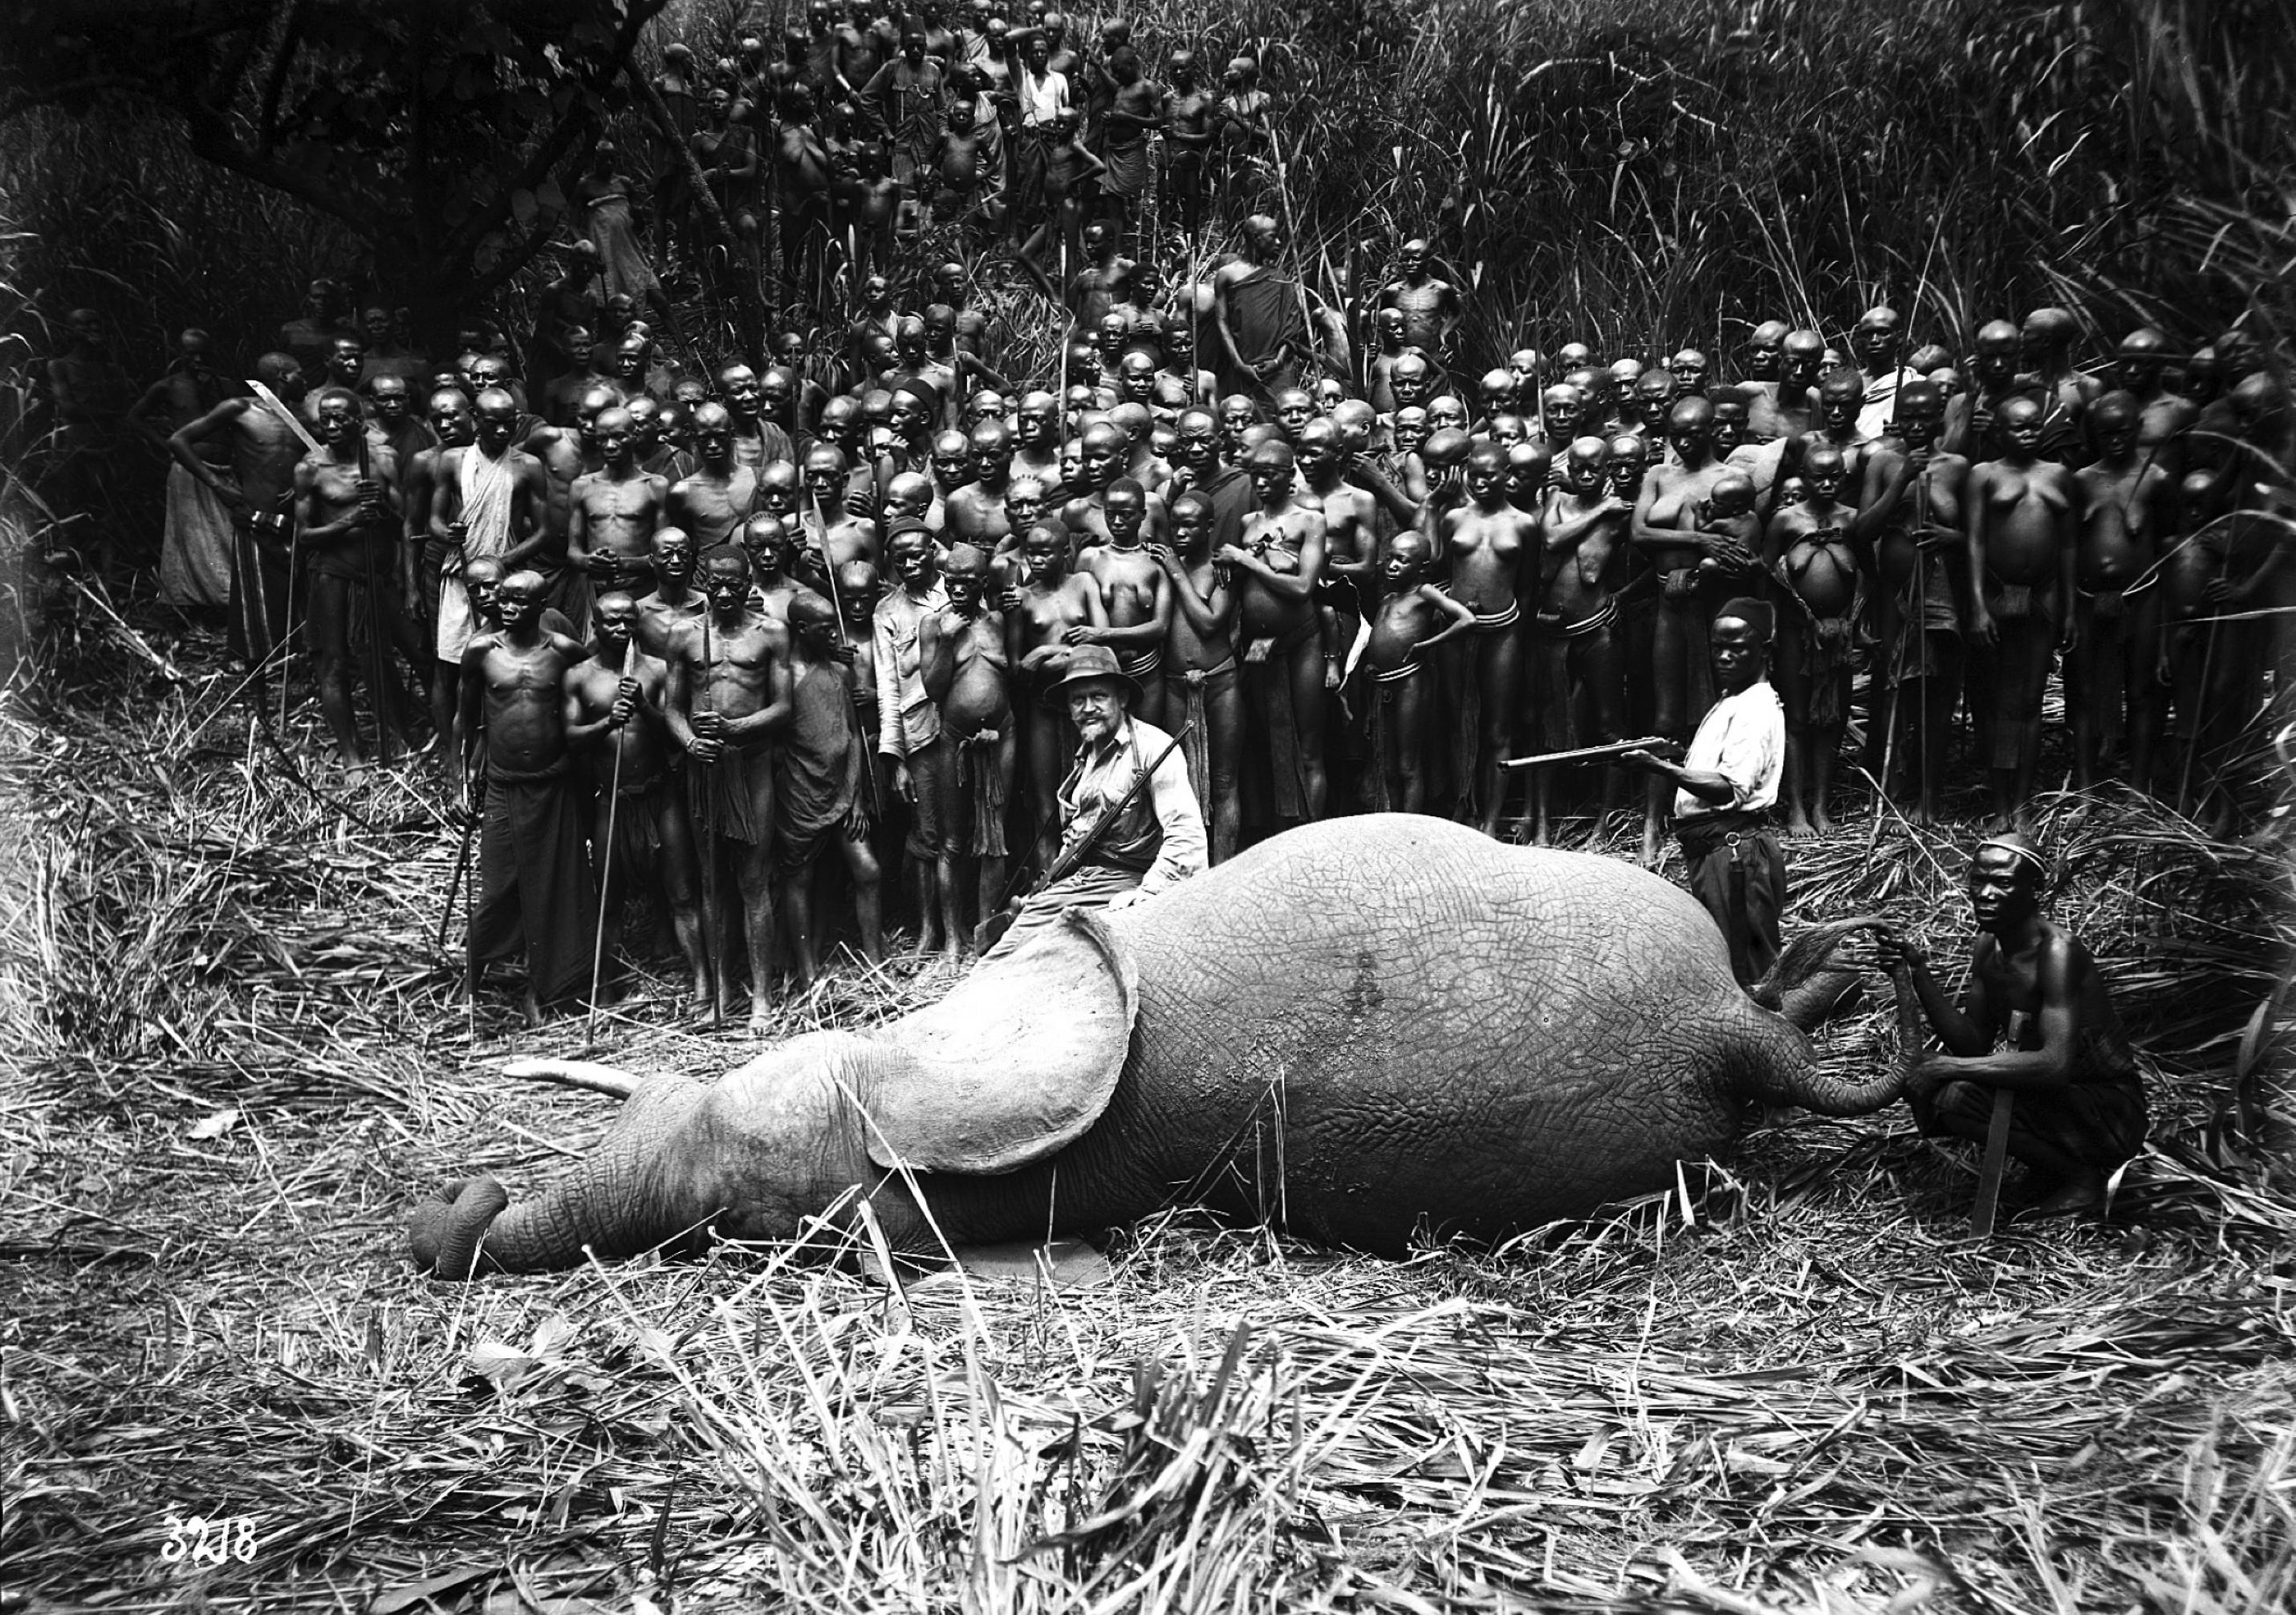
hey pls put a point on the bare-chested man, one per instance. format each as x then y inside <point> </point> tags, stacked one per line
<point>2126,509</point>
<point>1430,306</point>
<point>489,501</point>
<point>257,489</point>
<point>718,496</point>
<point>2079,1107</point>
<point>534,892</point>
<point>641,839</point>
<point>1492,549</point>
<point>1199,674</point>
<point>2024,555</point>
<point>613,510</point>
<point>675,604</point>
<point>1274,568</point>
<point>1413,617</point>
<point>822,791</point>
<point>1188,135</point>
<point>1912,513</point>
<point>2164,415</point>
<point>1668,528</point>
<point>347,524</point>
<point>976,712</point>
<point>836,534</point>
<point>976,513</point>
<point>1134,593</point>
<point>1814,554</point>
<point>1581,643</point>
<point>770,542</point>
<point>728,693</point>
<point>1350,586</point>
<point>1046,600</point>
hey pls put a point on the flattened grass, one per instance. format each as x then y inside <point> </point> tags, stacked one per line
<point>238,1055</point>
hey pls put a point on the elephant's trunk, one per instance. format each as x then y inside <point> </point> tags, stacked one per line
<point>610,1202</point>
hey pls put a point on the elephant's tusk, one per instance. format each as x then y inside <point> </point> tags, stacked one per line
<point>576,1074</point>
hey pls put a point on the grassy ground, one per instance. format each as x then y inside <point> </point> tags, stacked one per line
<point>237,1052</point>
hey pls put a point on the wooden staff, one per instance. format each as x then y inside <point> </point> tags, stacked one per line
<point>606,863</point>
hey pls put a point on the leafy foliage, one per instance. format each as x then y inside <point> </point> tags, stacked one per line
<point>431,131</point>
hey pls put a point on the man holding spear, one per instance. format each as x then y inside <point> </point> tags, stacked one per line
<point>615,720</point>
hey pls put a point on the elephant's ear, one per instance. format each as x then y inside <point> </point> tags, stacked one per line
<point>1017,1062</point>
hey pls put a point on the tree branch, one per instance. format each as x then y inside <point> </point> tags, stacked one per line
<point>266,124</point>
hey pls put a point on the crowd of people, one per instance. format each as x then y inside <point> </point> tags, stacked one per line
<point>743,632</point>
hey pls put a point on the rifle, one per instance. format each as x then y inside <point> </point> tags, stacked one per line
<point>991,930</point>
<point>1588,754</point>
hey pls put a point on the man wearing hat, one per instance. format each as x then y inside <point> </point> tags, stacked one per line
<point>1156,839</point>
<point>1726,785</point>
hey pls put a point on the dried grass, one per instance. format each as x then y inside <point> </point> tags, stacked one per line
<point>1796,1385</point>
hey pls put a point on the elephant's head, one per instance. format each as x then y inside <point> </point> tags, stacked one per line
<point>1014,1063</point>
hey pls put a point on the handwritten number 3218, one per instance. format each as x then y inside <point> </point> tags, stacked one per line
<point>195,1539</point>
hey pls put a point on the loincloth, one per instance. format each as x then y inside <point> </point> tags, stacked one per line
<point>1269,685</point>
<point>722,797</point>
<point>1193,688</point>
<point>980,791</point>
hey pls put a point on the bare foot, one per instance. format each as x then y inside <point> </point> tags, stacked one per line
<point>1825,824</point>
<point>761,1016</point>
<point>1799,824</point>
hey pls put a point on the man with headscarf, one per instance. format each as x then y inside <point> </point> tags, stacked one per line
<point>2079,1110</point>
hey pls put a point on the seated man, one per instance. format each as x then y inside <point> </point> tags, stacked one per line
<point>1121,845</point>
<point>2080,1103</point>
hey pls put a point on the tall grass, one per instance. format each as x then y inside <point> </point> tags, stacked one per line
<point>1638,174</point>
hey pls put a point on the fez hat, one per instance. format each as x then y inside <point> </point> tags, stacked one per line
<point>923,391</point>
<point>1751,611</point>
<point>1089,662</point>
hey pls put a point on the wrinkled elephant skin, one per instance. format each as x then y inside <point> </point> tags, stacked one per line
<point>1366,1029</point>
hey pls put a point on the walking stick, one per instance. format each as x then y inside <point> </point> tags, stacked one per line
<point>606,866</point>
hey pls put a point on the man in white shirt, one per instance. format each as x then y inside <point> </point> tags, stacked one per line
<point>1728,786</point>
<point>1154,841</point>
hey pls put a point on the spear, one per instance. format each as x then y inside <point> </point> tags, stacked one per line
<point>852,705</point>
<point>606,861</point>
<point>311,444</point>
<point>712,897</point>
